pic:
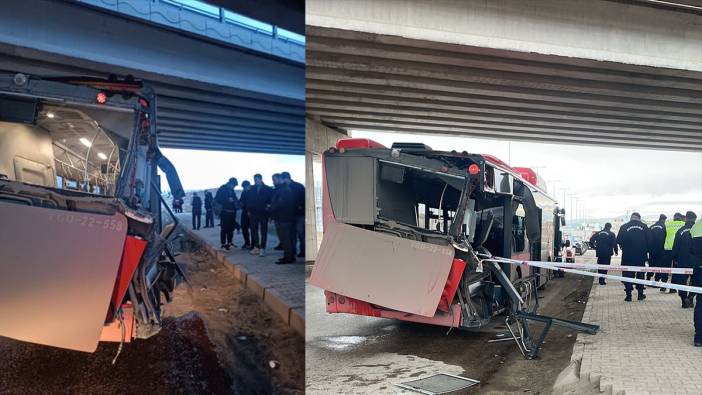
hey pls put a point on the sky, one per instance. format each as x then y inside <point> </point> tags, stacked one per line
<point>210,169</point>
<point>609,182</point>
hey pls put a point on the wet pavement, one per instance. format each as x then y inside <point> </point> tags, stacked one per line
<point>357,354</point>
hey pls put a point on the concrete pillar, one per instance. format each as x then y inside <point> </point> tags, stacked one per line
<point>318,138</point>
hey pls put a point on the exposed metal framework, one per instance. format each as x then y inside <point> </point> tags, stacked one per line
<point>367,81</point>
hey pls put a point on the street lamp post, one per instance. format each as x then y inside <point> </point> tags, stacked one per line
<point>572,206</point>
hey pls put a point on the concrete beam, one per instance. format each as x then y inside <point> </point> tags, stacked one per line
<point>358,80</point>
<point>254,126</point>
<point>381,80</point>
<point>503,131</point>
<point>251,134</point>
<point>223,114</point>
<point>470,102</point>
<point>345,43</point>
<point>548,137</point>
<point>228,147</point>
<point>375,102</point>
<point>595,29</point>
<point>332,108</point>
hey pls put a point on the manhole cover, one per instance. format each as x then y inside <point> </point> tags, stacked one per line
<point>441,383</point>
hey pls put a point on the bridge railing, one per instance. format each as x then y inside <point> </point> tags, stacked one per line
<point>212,22</point>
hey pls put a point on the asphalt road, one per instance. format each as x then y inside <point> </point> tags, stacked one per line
<point>357,354</point>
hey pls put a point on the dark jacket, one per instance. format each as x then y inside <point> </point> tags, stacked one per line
<point>682,256</point>
<point>283,207</point>
<point>696,246</point>
<point>226,197</point>
<point>208,201</point>
<point>633,238</point>
<point>258,199</point>
<point>299,193</point>
<point>605,243</point>
<point>657,238</point>
<point>197,204</point>
<point>244,201</point>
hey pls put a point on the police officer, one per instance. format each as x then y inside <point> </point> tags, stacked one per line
<point>656,254</point>
<point>633,239</point>
<point>226,197</point>
<point>696,252</point>
<point>671,228</point>
<point>605,244</point>
<point>683,258</point>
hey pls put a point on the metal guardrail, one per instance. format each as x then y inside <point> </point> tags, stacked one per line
<point>212,22</point>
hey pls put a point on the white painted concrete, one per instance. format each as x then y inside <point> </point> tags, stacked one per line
<point>590,29</point>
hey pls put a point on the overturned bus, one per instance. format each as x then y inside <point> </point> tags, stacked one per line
<point>407,228</point>
<point>83,254</point>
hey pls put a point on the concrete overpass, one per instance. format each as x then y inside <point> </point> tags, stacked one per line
<point>616,73</point>
<point>624,73</point>
<point>220,84</point>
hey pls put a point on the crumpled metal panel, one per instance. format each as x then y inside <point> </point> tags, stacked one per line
<point>385,270</point>
<point>57,273</point>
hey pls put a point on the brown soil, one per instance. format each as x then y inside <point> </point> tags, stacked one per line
<point>247,335</point>
<point>513,373</point>
<point>216,339</point>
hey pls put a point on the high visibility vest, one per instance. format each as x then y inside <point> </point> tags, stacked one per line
<point>671,227</point>
<point>696,230</point>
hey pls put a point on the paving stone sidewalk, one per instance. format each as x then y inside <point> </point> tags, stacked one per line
<point>282,287</point>
<point>643,347</point>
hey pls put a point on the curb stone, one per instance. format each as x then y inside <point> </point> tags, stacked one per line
<point>288,314</point>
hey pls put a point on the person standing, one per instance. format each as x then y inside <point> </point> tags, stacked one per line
<point>682,258</point>
<point>696,252</point>
<point>196,204</point>
<point>209,213</point>
<point>226,197</point>
<point>633,239</point>
<point>299,228</point>
<point>671,228</point>
<point>284,213</point>
<point>276,182</point>
<point>605,244</point>
<point>245,223</point>
<point>258,204</point>
<point>656,253</point>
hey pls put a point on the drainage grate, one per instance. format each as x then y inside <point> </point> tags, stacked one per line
<point>440,383</point>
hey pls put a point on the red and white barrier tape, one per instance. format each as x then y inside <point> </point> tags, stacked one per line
<point>552,266</point>
<point>620,268</point>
